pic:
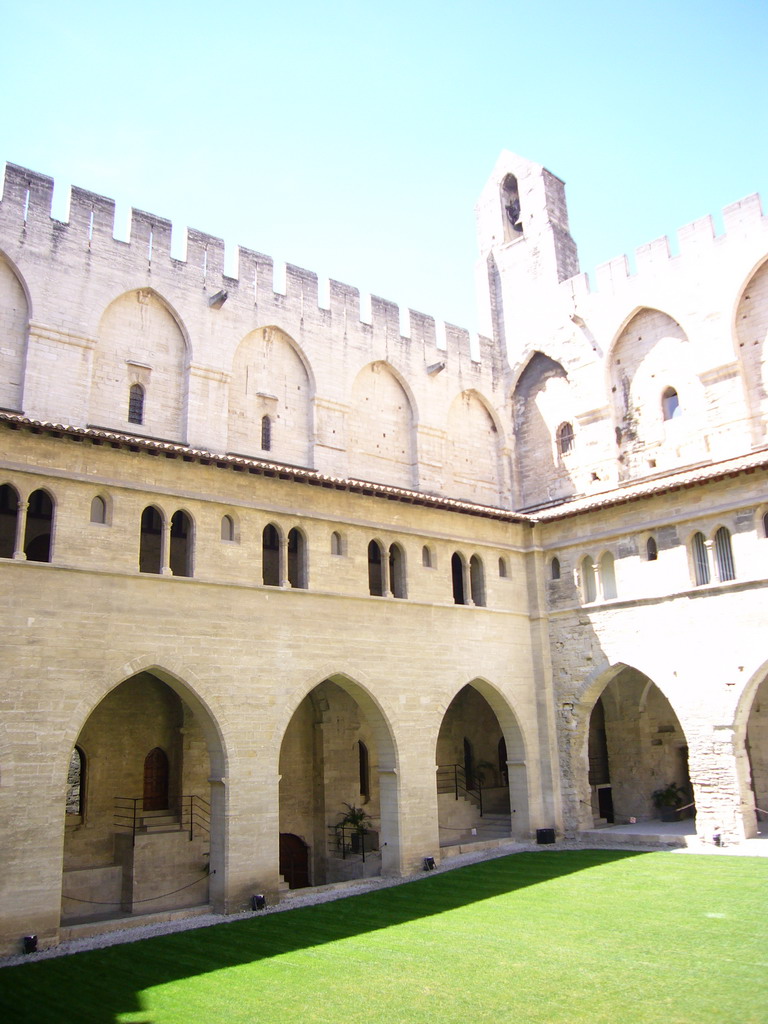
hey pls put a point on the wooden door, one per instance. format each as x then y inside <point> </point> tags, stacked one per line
<point>294,860</point>
<point>156,780</point>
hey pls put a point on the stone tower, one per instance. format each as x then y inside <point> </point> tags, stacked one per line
<point>525,249</point>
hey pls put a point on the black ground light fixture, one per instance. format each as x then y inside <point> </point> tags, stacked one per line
<point>429,863</point>
<point>29,943</point>
<point>258,902</point>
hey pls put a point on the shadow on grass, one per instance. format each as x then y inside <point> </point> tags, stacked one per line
<point>99,986</point>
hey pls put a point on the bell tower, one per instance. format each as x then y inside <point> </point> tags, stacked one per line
<point>525,249</point>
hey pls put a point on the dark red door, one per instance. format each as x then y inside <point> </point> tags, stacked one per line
<point>294,860</point>
<point>156,780</point>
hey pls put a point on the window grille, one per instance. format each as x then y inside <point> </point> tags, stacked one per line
<point>565,438</point>
<point>700,560</point>
<point>724,555</point>
<point>266,433</point>
<point>136,404</point>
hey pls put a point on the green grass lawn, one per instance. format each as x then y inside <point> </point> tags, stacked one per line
<point>536,938</point>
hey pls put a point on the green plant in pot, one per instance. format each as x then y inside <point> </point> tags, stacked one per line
<point>357,821</point>
<point>668,800</point>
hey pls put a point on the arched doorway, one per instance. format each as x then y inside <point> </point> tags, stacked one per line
<point>756,748</point>
<point>337,761</point>
<point>294,860</point>
<point>636,748</point>
<point>142,834</point>
<point>482,790</point>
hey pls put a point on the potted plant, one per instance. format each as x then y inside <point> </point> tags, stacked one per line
<point>357,821</point>
<point>668,801</point>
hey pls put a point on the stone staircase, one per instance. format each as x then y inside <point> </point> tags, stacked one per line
<point>158,821</point>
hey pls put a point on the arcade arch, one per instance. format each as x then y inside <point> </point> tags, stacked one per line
<point>381,442</point>
<point>321,779</point>
<point>481,768</point>
<point>633,744</point>
<point>149,819</point>
<point>13,302</point>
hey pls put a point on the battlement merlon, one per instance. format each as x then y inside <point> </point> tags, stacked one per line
<point>26,209</point>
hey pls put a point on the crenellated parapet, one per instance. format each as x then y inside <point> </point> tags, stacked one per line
<point>180,350</point>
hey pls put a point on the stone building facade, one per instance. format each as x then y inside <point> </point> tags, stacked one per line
<point>266,561</point>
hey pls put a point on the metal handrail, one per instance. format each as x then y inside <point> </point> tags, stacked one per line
<point>193,812</point>
<point>452,778</point>
<point>343,840</point>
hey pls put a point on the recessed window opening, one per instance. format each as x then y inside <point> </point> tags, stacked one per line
<point>150,540</point>
<point>270,556</point>
<point>651,550</point>
<point>555,569</point>
<point>588,581</point>
<point>227,528</point>
<point>181,544</point>
<point>503,568</point>
<point>336,543</point>
<point>426,557</point>
<point>364,768</point>
<point>76,783</point>
<point>375,570</point>
<point>37,534</point>
<point>297,559</point>
<point>397,571</point>
<point>765,525</point>
<point>700,560</point>
<point>9,514</point>
<point>724,555</point>
<point>510,203</point>
<point>565,438</point>
<point>98,510</point>
<point>136,404</point>
<point>670,404</point>
<point>477,581</point>
<point>266,433</point>
<point>608,576</point>
<point>457,578</point>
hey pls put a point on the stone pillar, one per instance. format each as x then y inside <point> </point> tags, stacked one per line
<point>21,526</point>
<point>165,548</point>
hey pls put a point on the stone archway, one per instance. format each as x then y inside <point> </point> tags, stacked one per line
<point>633,745</point>
<point>482,784</point>
<point>751,748</point>
<point>148,821</point>
<point>338,753</point>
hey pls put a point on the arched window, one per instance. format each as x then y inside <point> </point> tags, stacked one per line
<point>227,528</point>
<point>503,568</point>
<point>9,514</point>
<point>266,433</point>
<point>555,568</point>
<point>457,577</point>
<point>651,550</point>
<point>37,535</point>
<point>426,557</point>
<point>375,570</point>
<point>510,204</point>
<point>765,525</point>
<point>297,559</point>
<point>700,560</point>
<point>564,438</point>
<point>98,510</point>
<point>136,404</point>
<point>337,545</point>
<point>477,581</point>
<point>181,544</point>
<point>724,555</point>
<point>150,540</point>
<point>365,773</point>
<point>76,783</point>
<point>608,576</point>
<point>670,404</point>
<point>588,582</point>
<point>397,582</point>
<point>270,556</point>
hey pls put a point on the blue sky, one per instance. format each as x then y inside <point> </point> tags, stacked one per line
<point>354,138</point>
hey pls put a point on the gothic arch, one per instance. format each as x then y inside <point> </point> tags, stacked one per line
<point>271,378</point>
<point>475,446</point>
<point>16,306</point>
<point>141,341</point>
<point>542,404</point>
<point>750,333</point>
<point>381,434</point>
